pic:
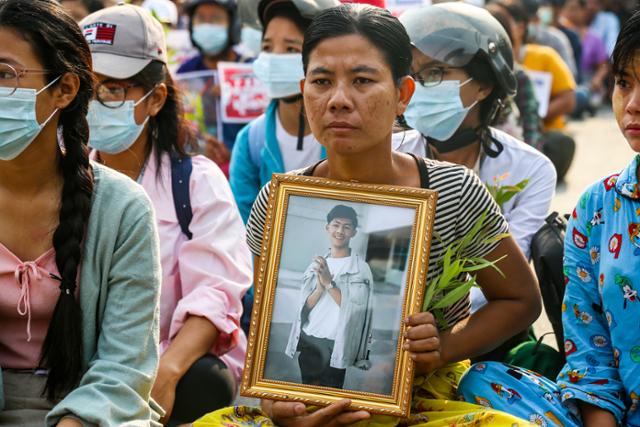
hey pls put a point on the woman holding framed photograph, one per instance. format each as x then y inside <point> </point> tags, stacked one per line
<point>79,262</point>
<point>357,62</point>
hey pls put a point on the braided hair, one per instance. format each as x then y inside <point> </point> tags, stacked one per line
<point>59,44</point>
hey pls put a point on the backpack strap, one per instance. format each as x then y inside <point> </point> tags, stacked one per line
<point>257,131</point>
<point>181,168</point>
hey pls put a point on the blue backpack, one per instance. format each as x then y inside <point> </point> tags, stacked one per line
<point>181,168</point>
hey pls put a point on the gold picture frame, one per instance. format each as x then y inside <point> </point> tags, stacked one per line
<point>417,208</point>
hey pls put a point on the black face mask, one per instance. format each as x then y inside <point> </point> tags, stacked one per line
<point>465,137</point>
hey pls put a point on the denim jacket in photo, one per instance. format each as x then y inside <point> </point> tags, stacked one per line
<point>353,337</point>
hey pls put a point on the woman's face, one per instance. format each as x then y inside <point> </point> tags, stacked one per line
<point>211,13</point>
<point>626,102</point>
<point>350,97</point>
<point>18,53</point>
<point>113,90</point>
<point>282,36</point>
<point>424,68</point>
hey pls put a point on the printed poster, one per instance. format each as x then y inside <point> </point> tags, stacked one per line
<point>242,96</point>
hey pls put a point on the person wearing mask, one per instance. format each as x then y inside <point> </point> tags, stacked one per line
<point>600,382</point>
<point>357,64</point>
<point>79,262</point>
<point>457,98</point>
<point>541,31</point>
<point>280,140</point>
<point>556,144</point>
<point>214,31</point>
<point>136,127</point>
<point>519,117</point>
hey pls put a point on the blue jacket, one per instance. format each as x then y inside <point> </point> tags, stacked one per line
<point>247,176</point>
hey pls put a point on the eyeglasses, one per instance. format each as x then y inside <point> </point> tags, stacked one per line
<point>113,94</point>
<point>10,76</point>
<point>431,76</point>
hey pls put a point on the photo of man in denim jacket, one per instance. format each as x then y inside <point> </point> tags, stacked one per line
<point>332,330</point>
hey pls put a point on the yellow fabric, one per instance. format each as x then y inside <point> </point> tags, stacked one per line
<point>546,59</point>
<point>433,406</point>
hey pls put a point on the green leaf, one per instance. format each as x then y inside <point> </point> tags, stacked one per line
<point>454,296</point>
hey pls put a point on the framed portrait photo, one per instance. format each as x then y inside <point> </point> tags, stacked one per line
<point>342,265</point>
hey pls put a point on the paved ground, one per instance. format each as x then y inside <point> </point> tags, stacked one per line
<point>600,150</point>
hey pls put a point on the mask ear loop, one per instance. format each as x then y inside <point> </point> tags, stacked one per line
<point>48,119</point>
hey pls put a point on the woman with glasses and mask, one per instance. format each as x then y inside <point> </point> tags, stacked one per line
<point>456,100</point>
<point>280,140</point>
<point>137,128</point>
<point>357,63</point>
<point>79,262</point>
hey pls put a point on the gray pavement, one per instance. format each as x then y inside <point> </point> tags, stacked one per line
<point>601,150</point>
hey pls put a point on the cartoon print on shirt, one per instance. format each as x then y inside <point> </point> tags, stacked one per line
<point>615,243</point>
<point>628,292</point>
<point>579,239</point>
<point>634,234</point>
<point>594,254</point>
<point>616,205</point>
<point>610,182</point>
<point>595,221</point>
<point>510,394</point>
<point>635,401</point>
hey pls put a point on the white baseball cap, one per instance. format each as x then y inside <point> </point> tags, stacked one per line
<point>123,40</point>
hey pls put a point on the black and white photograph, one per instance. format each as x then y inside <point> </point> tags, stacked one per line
<point>338,299</point>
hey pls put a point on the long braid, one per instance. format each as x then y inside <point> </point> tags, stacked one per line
<point>62,350</point>
<point>61,48</point>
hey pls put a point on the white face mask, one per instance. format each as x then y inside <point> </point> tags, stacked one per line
<point>280,73</point>
<point>114,130</point>
<point>437,111</point>
<point>18,123</point>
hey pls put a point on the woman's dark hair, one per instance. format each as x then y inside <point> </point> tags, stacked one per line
<point>377,25</point>
<point>284,10</point>
<point>168,130</point>
<point>61,48</point>
<point>627,44</point>
<point>480,70</point>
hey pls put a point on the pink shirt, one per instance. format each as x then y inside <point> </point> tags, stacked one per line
<point>207,275</point>
<point>27,300</point>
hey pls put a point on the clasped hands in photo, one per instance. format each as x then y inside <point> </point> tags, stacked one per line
<point>422,341</point>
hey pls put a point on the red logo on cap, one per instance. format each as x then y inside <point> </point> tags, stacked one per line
<point>100,33</point>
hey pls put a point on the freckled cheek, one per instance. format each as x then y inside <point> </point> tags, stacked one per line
<point>314,106</point>
<point>377,113</point>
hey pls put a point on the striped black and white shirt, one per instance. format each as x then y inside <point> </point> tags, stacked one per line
<point>462,199</point>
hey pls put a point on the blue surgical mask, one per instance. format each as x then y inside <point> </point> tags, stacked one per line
<point>437,111</point>
<point>114,130</point>
<point>279,73</point>
<point>211,38</point>
<point>251,39</point>
<point>18,123</point>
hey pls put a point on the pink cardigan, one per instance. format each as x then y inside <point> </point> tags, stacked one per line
<point>207,275</point>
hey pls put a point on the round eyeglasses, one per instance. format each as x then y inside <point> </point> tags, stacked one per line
<point>10,77</point>
<point>431,76</point>
<point>113,94</point>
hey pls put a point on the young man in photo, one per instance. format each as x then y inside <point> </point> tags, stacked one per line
<point>332,330</point>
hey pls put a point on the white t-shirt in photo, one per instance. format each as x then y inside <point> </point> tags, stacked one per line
<point>292,157</point>
<point>325,315</point>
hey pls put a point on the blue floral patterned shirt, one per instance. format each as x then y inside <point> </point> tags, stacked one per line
<point>601,305</point>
